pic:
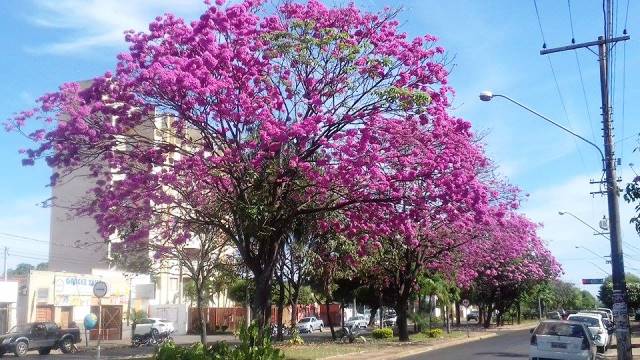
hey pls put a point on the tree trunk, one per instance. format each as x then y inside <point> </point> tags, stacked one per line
<point>457,314</point>
<point>430,311</point>
<point>280,308</point>
<point>372,314</point>
<point>261,307</point>
<point>329,320</point>
<point>446,318</point>
<point>488,315</point>
<point>294,304</point>
<point>402,310</point>
<point>202,319</point>
<point>481,313</point>
<point>518,311</point>
<point>499,319</point>
<point>342,313</point>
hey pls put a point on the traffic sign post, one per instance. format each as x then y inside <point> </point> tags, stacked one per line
<point>592,281</point>
<point>100,289</point>
<point>465,303</point>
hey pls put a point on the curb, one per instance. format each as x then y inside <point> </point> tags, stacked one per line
<point>398,353</point>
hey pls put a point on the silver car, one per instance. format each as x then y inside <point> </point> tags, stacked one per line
<point>309,324</point>
<point>561,339</point>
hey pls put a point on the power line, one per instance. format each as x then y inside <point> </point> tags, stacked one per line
<point>573,37</point>
<point>544,42</point>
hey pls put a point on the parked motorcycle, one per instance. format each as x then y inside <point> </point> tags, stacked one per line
<point>144,339</point>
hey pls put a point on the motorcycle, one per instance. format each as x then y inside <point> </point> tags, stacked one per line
<point>143,339</point>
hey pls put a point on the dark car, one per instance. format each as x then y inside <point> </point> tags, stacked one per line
<point>41,336</point>
<point>473,316</point>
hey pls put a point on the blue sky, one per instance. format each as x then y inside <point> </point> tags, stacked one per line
<point>493,44</point>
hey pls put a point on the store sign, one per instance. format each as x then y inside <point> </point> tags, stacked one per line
<point>74,285</point>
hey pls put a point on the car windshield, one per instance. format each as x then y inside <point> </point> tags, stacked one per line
<point>305,320</point>
<point>590,321</point>
<point>560,329</point>
<point>20,328</point>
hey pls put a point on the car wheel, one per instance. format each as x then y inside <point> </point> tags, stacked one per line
<point>66,346</point>
<point>44,351</point>
<point>600,349</point>
<point>321,326</point>
<point>21,348</point>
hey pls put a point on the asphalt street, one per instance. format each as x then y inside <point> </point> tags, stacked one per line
<point>507,345</point>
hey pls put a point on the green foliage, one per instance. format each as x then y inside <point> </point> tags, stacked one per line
<point>633,292</point>
<point>250,348</point>
<point>24,269</point>
<point>421,320</point>
<point>240,290</point>
<point>296,339</point>
<point>433,333</point>
<point>384,333</point>
<point>170,351</point>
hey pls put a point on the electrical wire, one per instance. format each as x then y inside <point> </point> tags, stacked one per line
<point>544,42</point>
<point>573,37</point>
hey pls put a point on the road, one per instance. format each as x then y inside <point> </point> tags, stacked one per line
<point>507,345</point>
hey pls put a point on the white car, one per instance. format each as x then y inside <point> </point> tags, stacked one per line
<point>358,321</point>
<point>310,324</point>
<point>596,327</point>
<point>559,339</point>
<point>155,326</point>
<point>608,311</point>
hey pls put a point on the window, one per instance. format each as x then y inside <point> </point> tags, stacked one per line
<point>173,284</point>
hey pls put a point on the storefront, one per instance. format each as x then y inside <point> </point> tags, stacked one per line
<point>66,298</point>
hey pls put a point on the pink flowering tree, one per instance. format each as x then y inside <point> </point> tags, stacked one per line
<point>245,122</point>
<point>511,261</point>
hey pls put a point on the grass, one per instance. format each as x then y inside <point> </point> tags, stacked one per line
<point>311,351</point>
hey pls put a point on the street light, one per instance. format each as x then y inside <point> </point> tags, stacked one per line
<point>608,166</point>
<point>585,223</point>
<point>488,96</point>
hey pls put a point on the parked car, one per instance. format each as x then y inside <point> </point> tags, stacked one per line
<point>41,336</point>
<point>473,315</point>
<point>561,339</point>
<point>554,315</point>
<point>310,324</point>
<point>357,321</point>
<point>390,320</point>
<point>154,326</point>
<point>596,327</point>
<point>609,313</point>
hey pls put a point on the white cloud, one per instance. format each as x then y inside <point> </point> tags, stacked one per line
<point>88,24</point>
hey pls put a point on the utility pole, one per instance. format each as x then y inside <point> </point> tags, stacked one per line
<point>620,312</point>
<point>6,251</point>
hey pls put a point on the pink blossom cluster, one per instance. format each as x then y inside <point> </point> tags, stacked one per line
<point>244,122</point>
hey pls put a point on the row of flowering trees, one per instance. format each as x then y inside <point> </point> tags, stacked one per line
<point>251,121</point>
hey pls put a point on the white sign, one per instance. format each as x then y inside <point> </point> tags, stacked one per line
<point>144,291</point>
<point>100,289</point>
<point>8,291</point>
<point>465,303</point>
<point>74,285</point>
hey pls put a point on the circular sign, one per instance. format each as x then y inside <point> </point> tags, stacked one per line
<point>90,321</point>
<point>465,303</point>
<point>100,289</point>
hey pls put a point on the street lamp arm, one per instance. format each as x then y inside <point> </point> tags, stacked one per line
<point>554,123</point>
<point>584,222</point>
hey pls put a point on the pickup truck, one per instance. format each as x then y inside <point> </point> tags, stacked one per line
<point>309,324</point>
<point>41,336</point>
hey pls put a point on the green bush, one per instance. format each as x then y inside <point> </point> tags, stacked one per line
<point>384,333</point>
<point>250,348</point>
<point>296,339</point>
<point>433,333</point>
<point>170,351</point>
